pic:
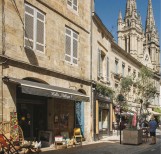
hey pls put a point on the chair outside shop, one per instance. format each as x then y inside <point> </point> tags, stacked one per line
<point>77,135</point>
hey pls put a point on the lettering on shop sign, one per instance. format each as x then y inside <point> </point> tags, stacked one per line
<point>57,94</point>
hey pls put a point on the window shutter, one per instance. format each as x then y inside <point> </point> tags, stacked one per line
<point>75,47</point>
<point>29,26</point>
<point>40,44</point>
<point>68,45</point>
<point>107,68</point>
<point>75,5</point>
<point>98,63</point>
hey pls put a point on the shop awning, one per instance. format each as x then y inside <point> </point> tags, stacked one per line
<point>41,89</point>
<point>155,113</point>
<point>103,98</point>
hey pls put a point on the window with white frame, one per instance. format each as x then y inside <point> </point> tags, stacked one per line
<point>116,66</point>
<point>71,46</point>
<point>34,28</point>
<point>73,4</point>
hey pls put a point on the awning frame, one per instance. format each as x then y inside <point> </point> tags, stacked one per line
<point>30,87</point>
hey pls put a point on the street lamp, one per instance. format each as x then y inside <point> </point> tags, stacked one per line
<point>120,99</point>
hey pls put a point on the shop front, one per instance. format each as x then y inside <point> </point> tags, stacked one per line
<point>46,111</point>
<point>103,116</point>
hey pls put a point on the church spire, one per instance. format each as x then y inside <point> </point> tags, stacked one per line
<point>130,7</point>
<point>120,16</point>
<point>150,22</point>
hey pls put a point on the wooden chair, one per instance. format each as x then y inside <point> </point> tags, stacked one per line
<point>145,133</point>
<point>7,145</point>
<point>77,134</point>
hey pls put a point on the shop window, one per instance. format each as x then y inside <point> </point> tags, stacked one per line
<point>34,29</point>
<point>71,46</point>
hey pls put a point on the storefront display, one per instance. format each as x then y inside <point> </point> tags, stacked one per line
<point>14,126</point>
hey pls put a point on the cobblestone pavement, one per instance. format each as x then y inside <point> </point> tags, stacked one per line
<point>109,145</point>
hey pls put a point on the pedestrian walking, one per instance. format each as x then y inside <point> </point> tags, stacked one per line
<point>153,127</point>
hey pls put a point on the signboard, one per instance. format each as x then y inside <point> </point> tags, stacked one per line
<point>46,138</point>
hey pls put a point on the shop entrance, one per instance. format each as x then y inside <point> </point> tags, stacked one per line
<point>103,119</point>
<point>32,114</point>
<point>31,118</point>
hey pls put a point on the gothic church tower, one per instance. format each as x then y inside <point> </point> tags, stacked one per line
<point>151,44</point>
<point>130,32</point>
<point>144,46</point>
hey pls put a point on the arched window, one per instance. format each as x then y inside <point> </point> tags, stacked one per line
<point>148,37</point>
<point>125,43</point>
<point>149,51</point>
<point>129,45</point>
<point>128,22</point>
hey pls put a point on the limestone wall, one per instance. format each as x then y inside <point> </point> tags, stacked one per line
<point>57,15</point>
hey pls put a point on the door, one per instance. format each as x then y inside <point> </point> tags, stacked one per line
<point>103,119</point>
<point>79,116</point>
<point>25,119</point>
<point>100,119</point>
<point>32,117</point>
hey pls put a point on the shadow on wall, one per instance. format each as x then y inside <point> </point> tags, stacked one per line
<point>31,56</point>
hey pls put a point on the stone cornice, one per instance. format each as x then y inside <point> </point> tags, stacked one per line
<point>124,53</point>
<point>8,61</point>
<point>102,26</point>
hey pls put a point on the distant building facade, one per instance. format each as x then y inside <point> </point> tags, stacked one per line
<point>54,53</point>
<point>113,61</point>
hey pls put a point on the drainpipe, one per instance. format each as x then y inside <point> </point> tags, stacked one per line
<point>91,77</point>
<point>2,59</point>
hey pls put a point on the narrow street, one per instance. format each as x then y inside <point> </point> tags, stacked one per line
<point>111,145</point>
<point>152,150</point>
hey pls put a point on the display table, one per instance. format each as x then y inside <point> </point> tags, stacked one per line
<point>62,144</point>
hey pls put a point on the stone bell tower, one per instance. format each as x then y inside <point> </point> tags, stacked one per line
<point>151,43</point>
<point>130,31</point>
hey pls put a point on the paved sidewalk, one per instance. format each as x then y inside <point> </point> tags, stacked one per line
<point>107,145</point>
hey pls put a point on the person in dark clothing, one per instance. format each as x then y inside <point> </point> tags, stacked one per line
<point>153,127</point>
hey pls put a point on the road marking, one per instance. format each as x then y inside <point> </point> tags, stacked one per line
<point>153,149</point>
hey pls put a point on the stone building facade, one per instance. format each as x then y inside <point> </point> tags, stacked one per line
<point>52,55</point>
<point>45,65</point>
<point>113,61</point>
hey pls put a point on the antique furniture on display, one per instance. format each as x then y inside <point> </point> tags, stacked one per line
<point>7,145</point>
<point>60,142</point>
<point>77,135</point>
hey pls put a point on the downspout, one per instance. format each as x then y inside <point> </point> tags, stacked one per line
<point>91,77</point>
<point>2,53</point>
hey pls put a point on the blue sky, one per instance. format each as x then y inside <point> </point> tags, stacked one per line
<point>108,11</point>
